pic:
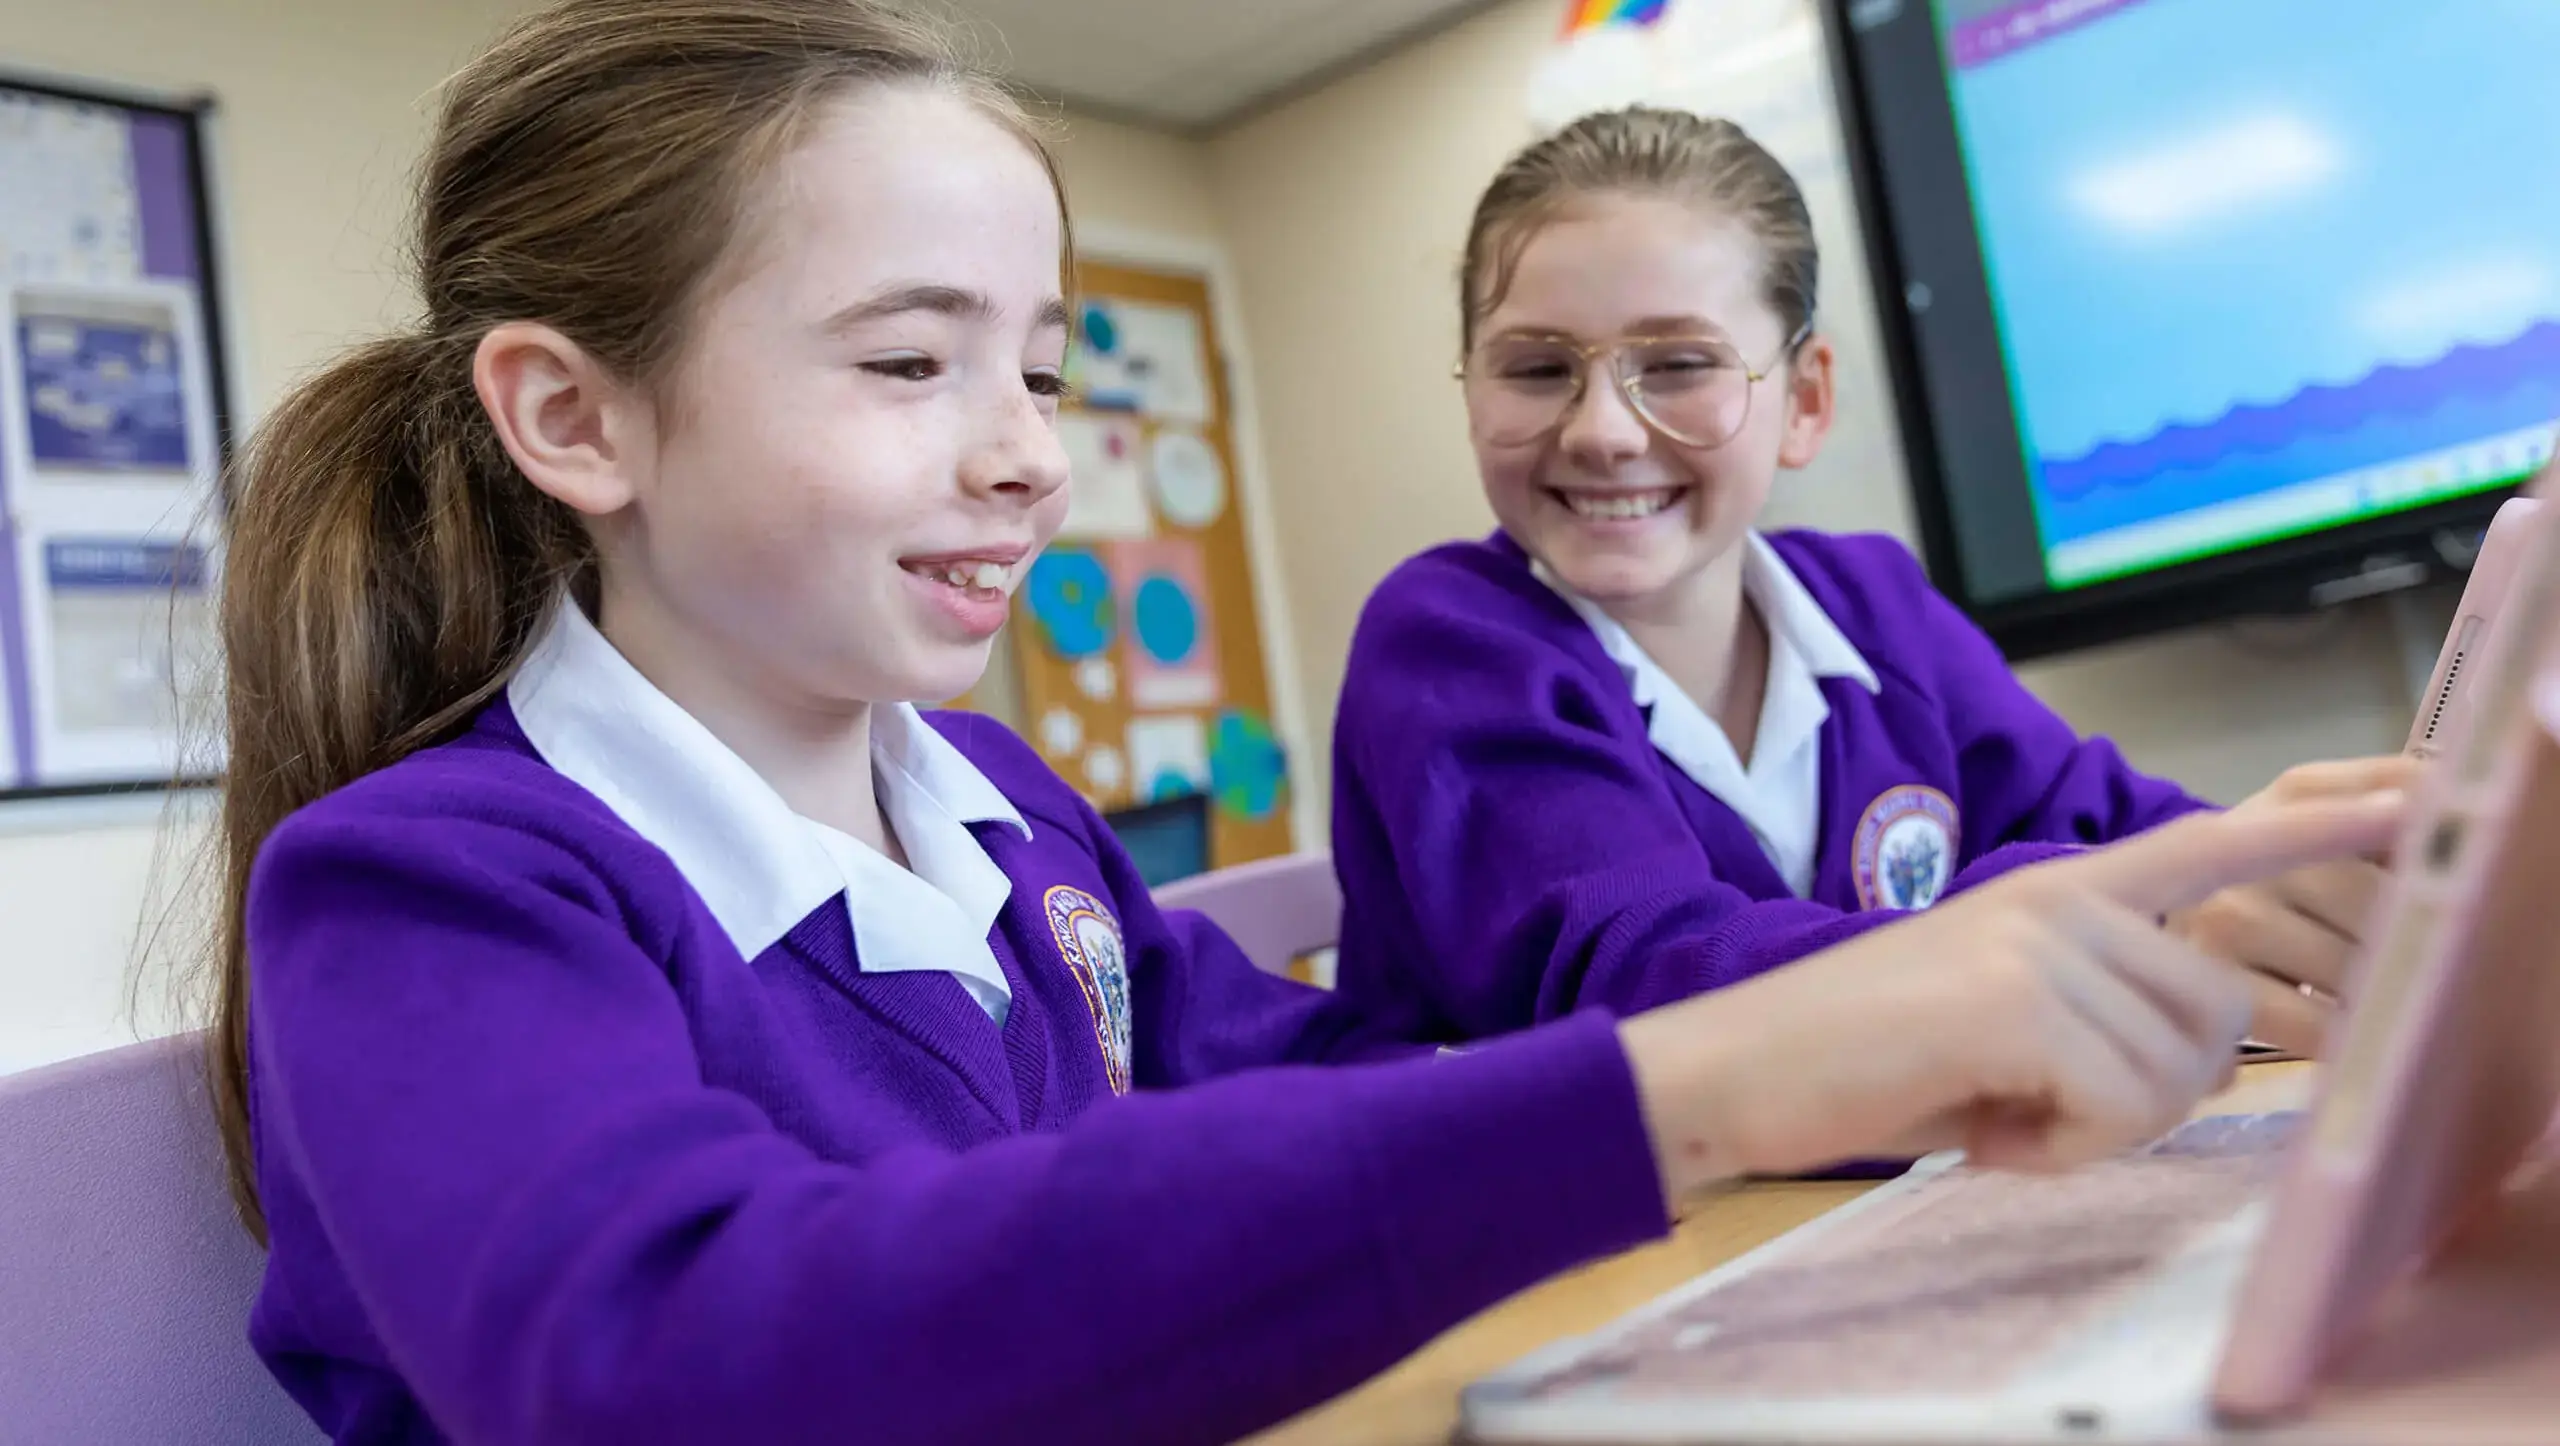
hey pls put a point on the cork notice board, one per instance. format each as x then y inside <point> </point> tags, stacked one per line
<point>1134,637</point>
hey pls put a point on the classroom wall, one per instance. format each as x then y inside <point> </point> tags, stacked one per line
<point>324,107</point>
<point>319,122</point>
<point>1125,178</point>
<point>1346,210</point>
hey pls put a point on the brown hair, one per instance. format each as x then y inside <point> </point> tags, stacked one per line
<point>388,568</point>
<point>1641,151</point>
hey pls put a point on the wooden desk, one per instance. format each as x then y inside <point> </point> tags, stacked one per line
<point>1416,1403</point>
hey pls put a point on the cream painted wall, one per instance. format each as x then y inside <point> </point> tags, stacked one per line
<point>323,107</point>
<point>1346,210</point>
<point>1123,178</point>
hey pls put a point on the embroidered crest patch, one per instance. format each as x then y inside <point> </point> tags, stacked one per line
<point>1089,940</point>
<point>1905,852</point>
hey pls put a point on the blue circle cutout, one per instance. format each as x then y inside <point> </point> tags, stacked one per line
<point>1069,592</point>
<point>1246,767</point>
<point>1168,625</point>
<point>1099,331</point>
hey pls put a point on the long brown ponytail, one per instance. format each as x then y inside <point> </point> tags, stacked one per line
<point>387,569</point>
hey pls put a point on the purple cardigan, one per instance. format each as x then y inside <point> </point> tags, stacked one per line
<point>1513,848</point>
<point>545,1161</point>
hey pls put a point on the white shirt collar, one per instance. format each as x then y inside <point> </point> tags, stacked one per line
<point>1778,796</point>
<point>1795,620</point>
<point>1792,614</point>
<point>759,867</point>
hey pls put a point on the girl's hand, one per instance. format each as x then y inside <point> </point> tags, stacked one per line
<point>2296,932</point>
<point>2043,1020</point>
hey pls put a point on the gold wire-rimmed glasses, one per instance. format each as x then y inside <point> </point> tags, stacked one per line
<point>1695,390</point>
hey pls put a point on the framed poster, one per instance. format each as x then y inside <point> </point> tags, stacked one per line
<point>114,430</point>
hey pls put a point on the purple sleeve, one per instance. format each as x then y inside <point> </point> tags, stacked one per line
<point>486,1089</point>
<point>2032,787</point>
<point>1483,793</point>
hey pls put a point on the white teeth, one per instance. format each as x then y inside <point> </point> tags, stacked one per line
<point>1620,506</point>
<point>984,576</point>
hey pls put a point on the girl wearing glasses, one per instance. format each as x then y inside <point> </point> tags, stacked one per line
<point>1629,749</point>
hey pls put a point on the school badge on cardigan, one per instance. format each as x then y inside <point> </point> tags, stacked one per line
<point>1089,940</point>
<point>1906,848</point>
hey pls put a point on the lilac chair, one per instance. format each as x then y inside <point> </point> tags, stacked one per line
<point>125,1278</point>
<point>1277,910</point>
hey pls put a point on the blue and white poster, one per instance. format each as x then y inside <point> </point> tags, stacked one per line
<point>103,392</point>
<point>111,435</point>
<point>108,452</point>
<point>1139,357</point>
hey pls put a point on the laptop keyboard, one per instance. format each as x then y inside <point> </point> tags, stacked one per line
<point>1956,1287</point>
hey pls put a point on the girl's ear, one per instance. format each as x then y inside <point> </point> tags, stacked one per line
<point>571,428</point>
<point>1808,388</point>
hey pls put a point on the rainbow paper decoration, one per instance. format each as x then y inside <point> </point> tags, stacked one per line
<point>1583,15</point>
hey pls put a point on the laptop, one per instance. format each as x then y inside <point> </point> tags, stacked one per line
<point>2493,570</point>
<point>2381,1268</point>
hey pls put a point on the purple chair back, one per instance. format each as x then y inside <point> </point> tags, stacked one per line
<point>125,1278</point>
<point>1277,910</point>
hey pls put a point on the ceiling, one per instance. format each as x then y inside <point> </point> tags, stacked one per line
<point>1193,65</point>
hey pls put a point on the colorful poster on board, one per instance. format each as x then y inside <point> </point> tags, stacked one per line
<point>1169,650</point>
<point>1136,356</point>
<point>1168,756</point>
<point>1106,476</point>
<point>1190,481</point>
<point>1125,675</point>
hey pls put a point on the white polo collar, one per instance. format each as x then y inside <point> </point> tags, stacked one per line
<point>1792,614</point>
<point>1779,794</point>
<point>759,867</point>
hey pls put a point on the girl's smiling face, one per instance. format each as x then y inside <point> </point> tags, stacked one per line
<point>1618,510</point>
